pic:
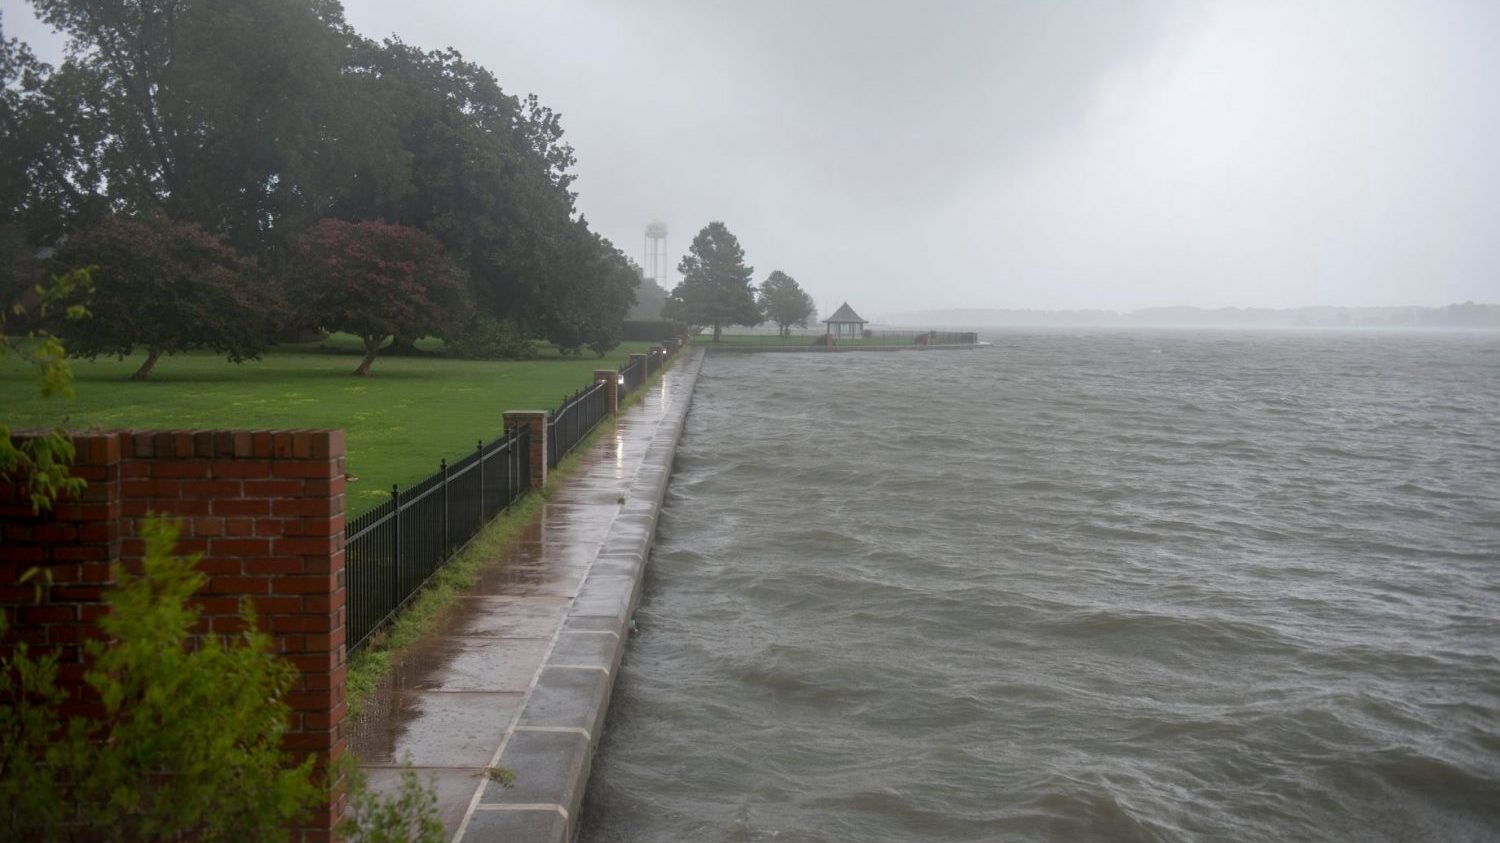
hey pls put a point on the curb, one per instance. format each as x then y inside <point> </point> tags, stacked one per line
<point>558,729</point>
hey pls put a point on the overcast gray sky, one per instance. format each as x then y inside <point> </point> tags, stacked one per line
<point>906,156</point>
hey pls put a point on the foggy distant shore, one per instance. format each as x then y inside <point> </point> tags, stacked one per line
<point>1466,315</point>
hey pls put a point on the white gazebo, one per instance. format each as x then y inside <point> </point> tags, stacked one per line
<point>845,323</point>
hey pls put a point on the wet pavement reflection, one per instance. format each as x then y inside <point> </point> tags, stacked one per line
<point>453,699</point>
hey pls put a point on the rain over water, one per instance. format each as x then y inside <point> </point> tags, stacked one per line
<point>1138,585</point>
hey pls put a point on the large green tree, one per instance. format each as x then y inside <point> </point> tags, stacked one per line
<point>650,298</point>
<point>255,118</point>
<point>785,302</point>
<point>715,288</point>
<point>235,115</point>
<point>485,172</point>
<point>47,180</point>
<point>165,287</point>
<point>589,293</point>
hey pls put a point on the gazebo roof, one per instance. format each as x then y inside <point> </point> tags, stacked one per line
<point>845,314</point>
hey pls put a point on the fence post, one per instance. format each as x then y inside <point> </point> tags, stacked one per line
<point>510,467</point>
<point>443,464</point>
<point>612,381</point>
<point>395,546</point>
<point>535,422</point>
<point>641,360</point>
<point>513,469</point>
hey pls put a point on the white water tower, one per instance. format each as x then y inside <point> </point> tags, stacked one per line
<point>655,264</point>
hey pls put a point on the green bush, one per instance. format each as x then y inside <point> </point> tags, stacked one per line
<point>486,338</point>
<point>409,816</point>
<point>189,745</point>
<point>652,330</point>
<point>603,342</point>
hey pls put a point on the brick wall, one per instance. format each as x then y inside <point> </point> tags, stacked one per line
<point>266,510</point>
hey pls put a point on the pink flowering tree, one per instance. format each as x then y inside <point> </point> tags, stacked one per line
<point>376,280</point>
<point>165,287</point>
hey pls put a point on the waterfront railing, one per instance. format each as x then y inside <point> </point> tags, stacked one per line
<point>392,550</point>
<point>867,338</point>
<point>634,375</point>
<point>573,420</point>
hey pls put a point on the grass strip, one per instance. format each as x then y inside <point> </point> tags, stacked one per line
<point>398,424</point>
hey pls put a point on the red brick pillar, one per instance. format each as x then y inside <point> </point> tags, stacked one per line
<point>611,380</point>
<point>536,420</point>
<point>266,510</point>
<point>641,360</point>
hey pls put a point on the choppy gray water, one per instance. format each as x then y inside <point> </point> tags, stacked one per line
<point>1093,586</point>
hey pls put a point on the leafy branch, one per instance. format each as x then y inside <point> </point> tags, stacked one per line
<point>39,464</point>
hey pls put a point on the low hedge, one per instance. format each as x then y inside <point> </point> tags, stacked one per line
<point>652,330</point>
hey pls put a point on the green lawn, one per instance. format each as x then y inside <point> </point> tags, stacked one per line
<point>399,423</point>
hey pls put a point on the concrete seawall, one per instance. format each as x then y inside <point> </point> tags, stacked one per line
<point>821,349</point>
<point>519,676</point>
<point>552,746</point>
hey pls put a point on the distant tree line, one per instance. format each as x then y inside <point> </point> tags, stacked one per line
<point>716,290</point>
<point>1465,315</point>
<point>245,168</point>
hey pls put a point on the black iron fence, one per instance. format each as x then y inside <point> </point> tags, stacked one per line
<point>573,420</point>
<point>863,338</point>
<point>391,551</point>
<point>634,375</point>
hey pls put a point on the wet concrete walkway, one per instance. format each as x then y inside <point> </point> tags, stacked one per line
<point>519,674</point>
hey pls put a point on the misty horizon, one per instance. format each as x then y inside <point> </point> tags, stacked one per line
<point>1032,156</point>
<point>1461,315</point>
<point>1028,156</point>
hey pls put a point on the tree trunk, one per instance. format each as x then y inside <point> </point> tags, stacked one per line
<point>716,332</point>
<point>144,371</point>
<point>372,345</point>
<point>402,346</point>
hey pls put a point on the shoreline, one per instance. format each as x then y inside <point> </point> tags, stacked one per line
<point>821,349</point>
<point>501,708</point>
